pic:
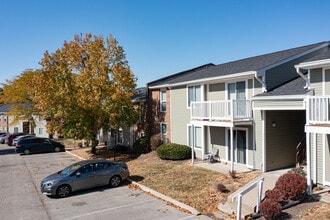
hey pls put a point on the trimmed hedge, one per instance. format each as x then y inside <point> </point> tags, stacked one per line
<point>173,151</point>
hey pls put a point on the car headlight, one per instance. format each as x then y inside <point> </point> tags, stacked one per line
<point>48,184</point>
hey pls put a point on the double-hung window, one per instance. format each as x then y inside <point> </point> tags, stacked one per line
<point>194,94</point>
<point>163,100</point>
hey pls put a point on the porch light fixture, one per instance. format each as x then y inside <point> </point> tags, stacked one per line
<point>273,124</point>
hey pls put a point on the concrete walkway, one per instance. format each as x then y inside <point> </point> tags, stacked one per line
<point>249,200</point>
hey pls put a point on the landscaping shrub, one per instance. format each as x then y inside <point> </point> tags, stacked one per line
<point>141,145</point>
<point>121,148</point>
<point>270,208</point>
<point>289,187</point>
<point>292,185</point>
<point>173,151</point>
<point>275,194</point>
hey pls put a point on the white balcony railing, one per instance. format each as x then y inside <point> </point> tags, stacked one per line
<point>221,110</point>
<point>317,110</point>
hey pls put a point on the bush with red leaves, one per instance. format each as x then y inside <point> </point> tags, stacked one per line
<point>292,185</point>
<point>270,208</point>
<point>289,187</point>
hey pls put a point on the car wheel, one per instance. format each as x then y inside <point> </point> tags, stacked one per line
<point>57,149</point>
<point>26,151</point>
<point>63,191</point>
<point>115,181</point>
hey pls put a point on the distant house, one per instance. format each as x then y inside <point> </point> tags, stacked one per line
<point>4,127</point>
<point>33,125</point>
<point>253,111</point>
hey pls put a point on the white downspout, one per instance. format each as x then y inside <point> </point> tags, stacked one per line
<point>261,82</point>
<point>304,77</point>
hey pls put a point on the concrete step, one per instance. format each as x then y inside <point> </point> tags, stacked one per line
<point>231,208</point>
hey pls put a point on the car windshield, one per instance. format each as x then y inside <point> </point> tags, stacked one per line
<point>70,169</point>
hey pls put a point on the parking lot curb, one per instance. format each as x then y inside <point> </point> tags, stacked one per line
<point>80,158</point>
<point>166,198</point>
<point>155,193</point>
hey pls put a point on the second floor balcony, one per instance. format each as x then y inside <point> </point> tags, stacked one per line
<point>317,110</point>
<point>225,110</point>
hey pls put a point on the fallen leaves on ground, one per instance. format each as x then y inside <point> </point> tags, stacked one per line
<point>180,180</point>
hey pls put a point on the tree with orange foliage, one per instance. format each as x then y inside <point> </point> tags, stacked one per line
<point>20,93</point>
<point>85,86</point>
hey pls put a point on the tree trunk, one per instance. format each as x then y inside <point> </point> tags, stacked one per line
<point>94,143</point>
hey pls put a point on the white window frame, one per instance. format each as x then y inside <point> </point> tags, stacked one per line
<point>162,101</point>
<point>189,140</point>
<point>161,128</point>
<point>193,100</point>
<point>247,144</point>
<point>231,82</point>
<point>41,131</point>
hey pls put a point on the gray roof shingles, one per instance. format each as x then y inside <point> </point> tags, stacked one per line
<point>5,108</point>
<point>294,87</point>
<point>249,64</point>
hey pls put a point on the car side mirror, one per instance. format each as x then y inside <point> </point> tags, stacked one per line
<point>78,174</point>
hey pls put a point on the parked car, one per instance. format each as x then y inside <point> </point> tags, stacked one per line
<point>3,138</point>
<point>38,145</point>
<point>11,137</point>
<point>21,138</point>
<point>83,175</point>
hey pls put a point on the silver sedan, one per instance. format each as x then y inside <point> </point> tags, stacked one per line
<point>83,175</point>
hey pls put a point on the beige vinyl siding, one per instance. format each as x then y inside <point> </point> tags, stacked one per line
<point>218,140</point>
<point>258,136</point>
<point>283,138</point>
<point>216,92</point>
<point>316,81</point>
<point>317,158</point>
<point>327,159</point>
<point>286,72</point>
<point>327,82</point>
<point>180,115</point>
<point>250,89</point>
<point>279,104</point>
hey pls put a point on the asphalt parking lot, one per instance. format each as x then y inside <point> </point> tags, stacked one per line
<point>20,178</point>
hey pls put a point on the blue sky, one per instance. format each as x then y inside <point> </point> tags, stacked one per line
<point>160,37</point>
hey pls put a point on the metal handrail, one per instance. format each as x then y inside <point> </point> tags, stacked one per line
<point>238,197</point>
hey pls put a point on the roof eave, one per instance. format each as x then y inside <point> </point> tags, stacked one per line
<point>314,64</point>
<point>279,97</point>
<point>207,80</point>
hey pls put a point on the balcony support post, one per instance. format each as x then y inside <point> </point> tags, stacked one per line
<point>308,161</point>
<point>232,149</point>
